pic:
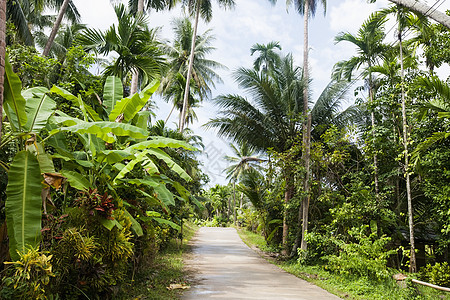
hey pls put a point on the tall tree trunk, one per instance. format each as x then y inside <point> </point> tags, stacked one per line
<point>171,111</point>
<point>287,198</point>
<point>140,6</point>
<point>55,28</point>
<point>372,119</point>
<point>234,201</point>
<point>135,73</point>
<point>189,74</point>
<point>412,264</point>
<point>2,57</point>
<point>419,7</point>
<point>306,130</point>
<point>241,200</point>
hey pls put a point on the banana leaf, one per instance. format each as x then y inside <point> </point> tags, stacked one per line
<point>76,180</point>
<point>112,92</point>
<point>161,221</point>
<point>162,142</point>
<point>23,203</point>
<point>104,129</point>
<point>39,107</point>
<point>130,106</point>
<point>13,101</point>
<point>170,163</point>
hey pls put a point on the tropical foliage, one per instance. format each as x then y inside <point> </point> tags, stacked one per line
<point>93,184</point>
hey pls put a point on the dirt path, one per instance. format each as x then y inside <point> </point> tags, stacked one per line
<point>225,268</point>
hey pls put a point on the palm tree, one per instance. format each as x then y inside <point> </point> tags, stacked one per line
<point>135,44</point>
<point>267,58</point>
<point>243,161</point>
<point>203,70</point>
<point>197,7</point>
<point>306,9</point>
<point>369,46</point>
<point>141,6</point>
<point>28,16</point>
<point>55,28</point>
<point>137,8</point>
<point>270,119</point>
<point>174,93</point>
<point>63,41</point>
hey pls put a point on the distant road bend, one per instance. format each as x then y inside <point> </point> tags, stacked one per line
<point>225,268</point>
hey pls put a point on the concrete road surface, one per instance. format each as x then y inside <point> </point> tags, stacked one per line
<point>225,268</point>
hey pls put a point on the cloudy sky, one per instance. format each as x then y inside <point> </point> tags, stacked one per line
<point>254,21</point>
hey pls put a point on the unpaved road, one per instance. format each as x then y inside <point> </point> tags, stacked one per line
<point>225,268</point>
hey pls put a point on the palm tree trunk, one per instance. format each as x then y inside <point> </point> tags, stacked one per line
<point>2,57</point>
<point>412,263</point>
<point>306,130</point>
<point>241,200</point>
<point>234,201</point>
<point>372,119</point>
<point>135,73</point>
<point>287,198</point>
<point>189,74</point>
<point>140,6</point>
<point>55,28</point>
<point>171,111</point>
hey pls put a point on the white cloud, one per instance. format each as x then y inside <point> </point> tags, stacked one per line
<point>350,14</point>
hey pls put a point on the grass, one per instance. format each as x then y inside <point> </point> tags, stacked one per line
<point>166,269</point>
<point>348,287</point>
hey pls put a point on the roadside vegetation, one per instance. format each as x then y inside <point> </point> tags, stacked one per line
<point>344,189</point>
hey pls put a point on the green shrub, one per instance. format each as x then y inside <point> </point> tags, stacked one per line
<point>28,277</point>
<point>366,257</point>
<point>438,274</point>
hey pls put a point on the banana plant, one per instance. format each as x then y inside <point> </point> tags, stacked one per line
<point>115,142</point>
<point>32,169</point>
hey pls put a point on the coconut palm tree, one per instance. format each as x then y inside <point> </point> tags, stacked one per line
<point>63,41</point>
<point>135,44</point>
<point>306,9</point>
<point>203,69</point>
<point>370,48</point>
<point>197,8</point>
<point>28,16</point>
<point>174,93</point>
<point>270,118</point>
<point>138,7</point>
<point>245,159</point>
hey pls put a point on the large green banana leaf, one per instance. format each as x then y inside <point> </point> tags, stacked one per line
<point>39,107</point>
<point>103,129</point>
<point>23,203</point>
<point>130,165</point>
<point>172,165</point>
<point>45,161</point>
<point>113,156</point>
<point>162,142</point>
<point>164,195</point>
<point>76,180</point>
<point>112,92</point>
<point>141,119</point>
<point>130,106</point>
<point>13,101</point>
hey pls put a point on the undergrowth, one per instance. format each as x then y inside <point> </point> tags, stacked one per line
<point>348,287</point>
<point>153,281</point>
